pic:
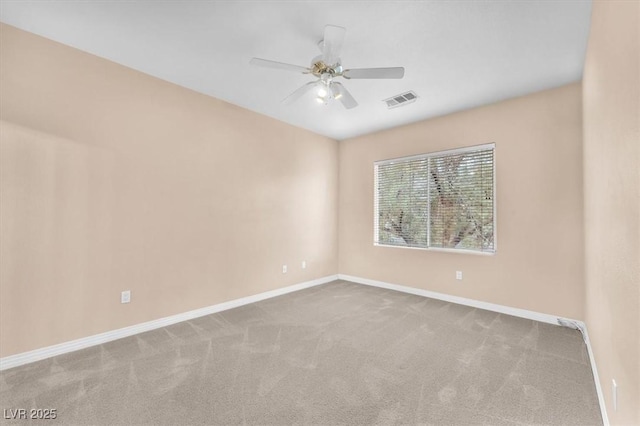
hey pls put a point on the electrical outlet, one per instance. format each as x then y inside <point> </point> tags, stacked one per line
<point>125,296</point>
<point>458,275</point>
<point>284,269</point>
<point>614,394</point>
<point>304,264</point>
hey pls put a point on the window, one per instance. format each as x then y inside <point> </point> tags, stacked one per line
<point>442,200</point>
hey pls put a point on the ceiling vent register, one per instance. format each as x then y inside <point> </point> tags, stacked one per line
<point>401,99</point>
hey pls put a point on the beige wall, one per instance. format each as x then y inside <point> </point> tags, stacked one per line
<point>612,201</point>
<point>114,180</point>
<point>539,259</point>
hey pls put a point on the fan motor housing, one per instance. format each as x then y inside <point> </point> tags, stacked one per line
<point>318,68</point>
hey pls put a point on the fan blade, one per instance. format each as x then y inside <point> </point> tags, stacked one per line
<point>345,97</point>
<point>298,93</point>
<point>278,65</point>
<point>394,72</point>
<point>332,44</point>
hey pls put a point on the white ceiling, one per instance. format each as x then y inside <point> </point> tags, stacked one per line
<point>457,54</point>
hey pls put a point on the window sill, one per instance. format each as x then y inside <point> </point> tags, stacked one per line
<point>437,249</point>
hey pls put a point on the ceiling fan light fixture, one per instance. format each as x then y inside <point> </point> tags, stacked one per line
<point>335,91</point>
<point>326,91</point>
<point>323,96</point>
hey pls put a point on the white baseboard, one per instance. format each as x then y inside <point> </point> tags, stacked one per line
<point>592,360</point>
<point>516,312</point>
<point>97,339</point>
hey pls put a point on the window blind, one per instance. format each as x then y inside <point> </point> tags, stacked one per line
<point>440,200</point>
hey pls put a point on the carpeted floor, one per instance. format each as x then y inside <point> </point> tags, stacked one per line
<point>339,353</point>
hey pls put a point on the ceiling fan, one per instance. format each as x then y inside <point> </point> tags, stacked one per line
<point>327,67</point>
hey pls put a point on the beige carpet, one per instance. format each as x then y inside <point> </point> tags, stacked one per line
<point>340,353</point>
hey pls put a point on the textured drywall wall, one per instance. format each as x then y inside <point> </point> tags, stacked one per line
<point>113,180</point>
<point>611,95</point>
<point>539,260</point>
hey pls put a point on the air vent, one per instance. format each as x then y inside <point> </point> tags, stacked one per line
<point>402,99</point>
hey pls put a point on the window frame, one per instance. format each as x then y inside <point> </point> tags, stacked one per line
<point>376,215</point>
